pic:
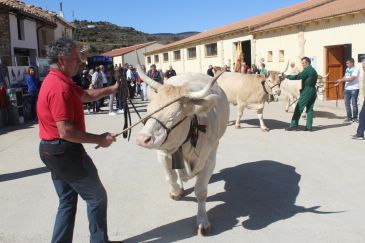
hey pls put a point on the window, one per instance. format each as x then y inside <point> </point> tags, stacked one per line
<point>156,58</point>
<point>211,50</point>
<point>20,26</point>
<point>149,60</point>
<point>166,57</point>
<point>192,52</point>
<point>281,56</point>
<point>177,55</point>
<point>269,56</point>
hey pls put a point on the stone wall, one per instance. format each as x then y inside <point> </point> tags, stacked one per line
<point>5,34</point>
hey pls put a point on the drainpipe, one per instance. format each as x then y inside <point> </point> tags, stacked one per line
<point>38,28</point>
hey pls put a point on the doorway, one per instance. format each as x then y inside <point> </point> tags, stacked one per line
<point>336,57</point>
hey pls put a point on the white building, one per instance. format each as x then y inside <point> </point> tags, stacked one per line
<point>128,54</point>
<point>327,31</point>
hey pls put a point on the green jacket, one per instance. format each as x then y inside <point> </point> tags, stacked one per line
<point>308,76</point>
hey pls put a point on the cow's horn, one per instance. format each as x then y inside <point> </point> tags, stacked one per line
<point>154,85</point>
<point>202,93</point>
<point>323,77</point>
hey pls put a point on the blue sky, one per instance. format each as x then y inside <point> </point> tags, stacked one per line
<point>163,16</point>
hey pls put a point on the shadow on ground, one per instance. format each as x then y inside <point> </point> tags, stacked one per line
<point>25,125</point>
<point>22,174</point>
<point>256,195</point>
<point>273,124</point>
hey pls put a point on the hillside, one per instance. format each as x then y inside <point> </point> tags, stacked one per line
<point>104,36</point>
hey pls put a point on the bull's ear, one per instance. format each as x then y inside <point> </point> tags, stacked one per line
<point>202,106</point>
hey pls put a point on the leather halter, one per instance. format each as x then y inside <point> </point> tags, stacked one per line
<point>168,130</point>
<point>264,83</point>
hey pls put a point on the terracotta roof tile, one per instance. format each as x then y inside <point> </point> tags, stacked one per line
<point>246,23</point>
<point>257,22</point>
<point>334,8</point>
<point>30,11</point>
<point>125,50</point>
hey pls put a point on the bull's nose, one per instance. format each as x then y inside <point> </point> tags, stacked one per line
<point>143,140</point>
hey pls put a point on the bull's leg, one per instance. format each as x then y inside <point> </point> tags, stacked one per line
<point>201,192</point>
<point>287,98</point>
<point>260,115</point>
<point>176,192</point>
<point>240,108</point>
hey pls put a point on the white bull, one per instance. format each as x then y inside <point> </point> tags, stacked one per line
<point>250,91</point>
<point>169,129</point>
<point>291,90</point>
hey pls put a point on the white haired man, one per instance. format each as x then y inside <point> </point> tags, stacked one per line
<point>62,132</point>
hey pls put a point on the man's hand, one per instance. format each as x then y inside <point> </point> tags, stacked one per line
<point>106,139</point>
<point>116,86</point>
<point>337,83</point>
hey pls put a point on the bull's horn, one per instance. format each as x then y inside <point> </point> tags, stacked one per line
<point>154,85</point>
<point>202,93</point>
<point>287,66</point>
<point>323,77</point>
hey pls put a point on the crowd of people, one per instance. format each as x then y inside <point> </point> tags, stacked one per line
<point>100,76</point>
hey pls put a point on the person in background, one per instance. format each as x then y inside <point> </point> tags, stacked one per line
<point>85,84</point>
<point>263,70</point>
<point>307,96</point>
<point>131,82</point>
<point>351,93</point>
<point>170,73</point>
<point>32,84</point>
<point>361,128</point>
<point>62,132</point>
<point>155,74</point>
<point>143,86</point>
<point>254,69</point>
<point>112,80</point>
<point>96,83</point>
<point>104,79</point>
<point>294,70</point>
<point>119,100</point>
<point>210,71</point>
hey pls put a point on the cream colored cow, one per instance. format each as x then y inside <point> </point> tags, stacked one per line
<point>170,130</point>
<point>250,91</point>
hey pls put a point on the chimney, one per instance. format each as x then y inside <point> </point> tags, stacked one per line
<point>61,11</point>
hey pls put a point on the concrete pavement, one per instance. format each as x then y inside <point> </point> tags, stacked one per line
<point>267,187</point>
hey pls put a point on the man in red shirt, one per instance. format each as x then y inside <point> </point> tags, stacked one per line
<point>62,132</point>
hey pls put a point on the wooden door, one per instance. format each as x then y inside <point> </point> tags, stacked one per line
<point>335,58</point>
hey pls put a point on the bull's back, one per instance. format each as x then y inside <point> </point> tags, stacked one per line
<point>246,88</point>
<point>219,115</point>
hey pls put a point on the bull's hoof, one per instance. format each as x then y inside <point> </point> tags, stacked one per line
<point>201,231</point>
<point>177,197</point>
<point>265,129</point>
<point>237,126</point>
<point>286,110</point>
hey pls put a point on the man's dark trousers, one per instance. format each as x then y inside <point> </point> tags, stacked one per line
<point>74,173</point>
<point>361,127</point>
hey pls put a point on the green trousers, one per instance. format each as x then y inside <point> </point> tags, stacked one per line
<point>306,100</point>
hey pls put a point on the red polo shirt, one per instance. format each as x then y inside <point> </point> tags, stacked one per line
<point>59,100</point>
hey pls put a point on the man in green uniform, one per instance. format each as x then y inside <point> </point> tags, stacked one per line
<point>308,95</point>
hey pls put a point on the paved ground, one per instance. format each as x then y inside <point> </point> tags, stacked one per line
<point>267,187</point>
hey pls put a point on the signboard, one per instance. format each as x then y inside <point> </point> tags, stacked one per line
<point>43,67</point>
<point>94,61</point>
<point>313,62</point>
<point>17,75</point>
<point>361,57</point>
